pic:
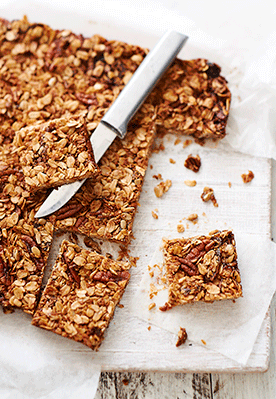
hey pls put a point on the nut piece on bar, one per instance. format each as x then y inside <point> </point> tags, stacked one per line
<point>55,153</point>
<point>81,295</point>
<point>202,268</point>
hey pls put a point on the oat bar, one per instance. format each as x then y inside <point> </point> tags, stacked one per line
<point>105,207</point>
<point>202,268</point>
<point>55,153</point>
<point>81,295</point>
<point>194,99</point>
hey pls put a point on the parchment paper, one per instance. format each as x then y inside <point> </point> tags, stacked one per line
<point>227,327</point>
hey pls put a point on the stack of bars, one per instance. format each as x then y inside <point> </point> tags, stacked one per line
<point>55,86</point>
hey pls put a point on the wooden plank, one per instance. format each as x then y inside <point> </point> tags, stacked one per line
<point>154,386</point>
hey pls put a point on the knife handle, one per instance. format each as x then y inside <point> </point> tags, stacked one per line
<point>142,82</point>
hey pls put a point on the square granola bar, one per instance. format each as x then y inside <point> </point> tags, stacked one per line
<point>55,153</point>
<point>193,99</point>
<point>202,268</point>
<point>81,295</point>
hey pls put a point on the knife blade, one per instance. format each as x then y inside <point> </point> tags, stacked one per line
<point>115,121</point>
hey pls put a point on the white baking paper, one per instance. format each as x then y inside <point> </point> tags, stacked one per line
<point>42,365</point>
<point>227,327</point>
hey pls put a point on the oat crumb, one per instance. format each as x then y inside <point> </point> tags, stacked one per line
<point>190,183</point>
<point>180,228</point>
<point>192,217</point>
<point>154,215</point>
<point>172,160</point>
<point>162,188</point>
<point>152,305</point>
<point>229,184</point>
<point>208,194</point>
<point>187,143</point>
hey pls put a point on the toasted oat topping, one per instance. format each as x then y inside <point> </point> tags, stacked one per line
<point>81,295</point>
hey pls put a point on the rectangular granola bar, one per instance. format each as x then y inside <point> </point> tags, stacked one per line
<point>202,268</point>
<point>55,153</point>
<point>81,295</point>
<point>25,241</point>
<point>105,206</point>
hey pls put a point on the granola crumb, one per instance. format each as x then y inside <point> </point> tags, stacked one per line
<point>158,177</point>
<point>192,217</point>
<point>172,161</point>
<point>229,184</point>
<point>162,188</point>
<point>204,342</point>
<point>151,274</point>
<point>187,143</point>
<point>208,194</point>
<point>177,141</point>
<point>190,183</point>
<point>149,328</point>
<point>193,163</point>
<point>247,177</point>
<point>182,337</point>
<point>180,228</point>
<point>152,305</point>
<point>154,215</point>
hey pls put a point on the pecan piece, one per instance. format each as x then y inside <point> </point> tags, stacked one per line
<point>182,337</point>
<point>193,163</point>
<point>247,177</point>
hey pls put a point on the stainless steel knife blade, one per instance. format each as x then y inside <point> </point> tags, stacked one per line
<point>115,121</point>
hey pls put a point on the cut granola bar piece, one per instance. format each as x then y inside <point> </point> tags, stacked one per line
<point>81,295</point>
<point>202,268</point>
<point>105,207</point>
<point>193,99</point>
<point>55,153</point>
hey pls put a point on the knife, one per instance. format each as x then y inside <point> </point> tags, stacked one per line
<point>115,121</point>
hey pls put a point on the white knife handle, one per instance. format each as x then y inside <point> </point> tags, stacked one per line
<point>142,82</point>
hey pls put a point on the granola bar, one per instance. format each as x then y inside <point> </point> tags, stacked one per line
<point>105,206</point>
<point>202,268</point>
<point>81,295</point>
<point>25,242</point>
<point>194,99</point>
<point>55,153</point>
